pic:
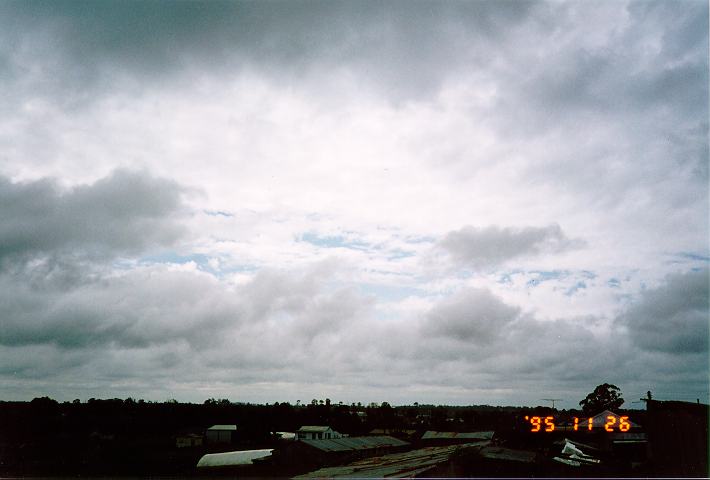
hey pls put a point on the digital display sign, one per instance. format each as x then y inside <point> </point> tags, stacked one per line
<point>612,423</point>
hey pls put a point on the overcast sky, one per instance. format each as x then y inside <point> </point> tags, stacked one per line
<point>448,202</point>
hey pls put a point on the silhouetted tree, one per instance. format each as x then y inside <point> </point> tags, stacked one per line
<point>604,397</point>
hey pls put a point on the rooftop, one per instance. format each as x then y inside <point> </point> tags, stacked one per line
<point>313,428</point>
<point>354,443</point>
<point>229,459</point>
<point>433,435</point>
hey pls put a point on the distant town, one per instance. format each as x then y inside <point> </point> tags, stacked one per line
<point>321,438</point>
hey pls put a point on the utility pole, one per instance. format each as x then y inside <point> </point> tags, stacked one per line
<point>648,398</point>
<point>553,400</point>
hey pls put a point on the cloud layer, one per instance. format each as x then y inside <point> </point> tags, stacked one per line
<point>484,202</point>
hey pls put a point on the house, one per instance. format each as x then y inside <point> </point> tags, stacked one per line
<point>611,433</point>
<point>221,433</point>
<point>316,432</point>
<point>609,421</point>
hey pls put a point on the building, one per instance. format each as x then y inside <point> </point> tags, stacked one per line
<point>316,432</point>
<point>677,438</point>
<point>221,433</point>
<point>609,421</point>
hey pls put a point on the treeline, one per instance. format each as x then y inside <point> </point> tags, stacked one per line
<point>24,421</point>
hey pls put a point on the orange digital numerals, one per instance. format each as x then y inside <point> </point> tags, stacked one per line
<point>536,423</point>
<point>622,423</point>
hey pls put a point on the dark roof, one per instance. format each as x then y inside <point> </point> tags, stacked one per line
<point>677,405</point>
<point>353,443</point>
<point>508,454</point>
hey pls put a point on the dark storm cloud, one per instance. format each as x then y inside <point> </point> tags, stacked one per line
<point>123,213</point>
<point>407,46</point>
<point>672,318</point>
<point>490,246</point>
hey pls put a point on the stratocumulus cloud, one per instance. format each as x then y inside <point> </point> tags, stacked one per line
<point>480,247</point>
<point>122,213</point>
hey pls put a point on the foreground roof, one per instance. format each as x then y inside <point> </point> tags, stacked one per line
<point>398,465</point>
<point>508,454</point>
<point>230,459</point>
<point>354,443</point>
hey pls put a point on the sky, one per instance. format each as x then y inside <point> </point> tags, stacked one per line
<point>437,202</point>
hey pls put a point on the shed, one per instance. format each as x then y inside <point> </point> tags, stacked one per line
<point>220,433</point>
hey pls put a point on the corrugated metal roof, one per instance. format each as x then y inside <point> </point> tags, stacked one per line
<point>388,431</point>
<point>313,428</point>
<point>230,459</point>
<point>354,443</point>
<point>397,465</point>
<point>230,428</point>
<point>432,435</point>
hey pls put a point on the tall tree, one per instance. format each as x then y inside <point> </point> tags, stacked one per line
<point>604,397</point>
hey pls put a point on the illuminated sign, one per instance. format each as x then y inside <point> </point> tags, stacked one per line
<point>611,423</point>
